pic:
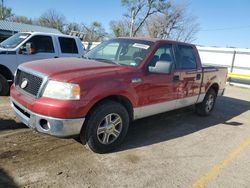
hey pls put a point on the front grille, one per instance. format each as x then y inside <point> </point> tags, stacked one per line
<point>33,82</point>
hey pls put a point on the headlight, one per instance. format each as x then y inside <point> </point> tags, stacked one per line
<point>62,90</point>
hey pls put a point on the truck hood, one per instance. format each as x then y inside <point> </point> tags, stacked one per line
<point>74,69</point>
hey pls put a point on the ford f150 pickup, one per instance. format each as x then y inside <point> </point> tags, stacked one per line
<point>30,46</point>
<point>119,81</point>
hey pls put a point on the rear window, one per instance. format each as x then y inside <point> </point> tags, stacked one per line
<point>68,45</point>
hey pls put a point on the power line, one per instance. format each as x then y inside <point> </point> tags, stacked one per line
<point>227,28</point>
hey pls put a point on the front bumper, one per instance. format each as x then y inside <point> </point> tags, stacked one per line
<point>53,126</point>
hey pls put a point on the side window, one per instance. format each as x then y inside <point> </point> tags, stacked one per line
<point>186,58</point>
<point>68,45</point>
<point>164,54</point>
<point>42,44</point>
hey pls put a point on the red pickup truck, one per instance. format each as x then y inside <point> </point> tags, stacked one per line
<point>119,81</point>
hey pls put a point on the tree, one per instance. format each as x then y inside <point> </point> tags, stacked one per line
<point>120,28</point>
<point>94,32</point>
<point>175,23</point>
<point>21,19</point>
<point>72,27</point>
<point>51,18</point>
<point>5,13</point>
<point>140,10</point>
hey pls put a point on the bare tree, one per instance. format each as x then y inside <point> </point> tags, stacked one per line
<point>120,28</point>
<point>140,10</point>
<point>5,12</point>
<point>51,18</point>
<point>174,23</point>
<point>94,32</point>
<point>21,19</point>
<point>72,27</point>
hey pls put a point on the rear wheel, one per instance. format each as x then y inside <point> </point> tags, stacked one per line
<point>4,86</point>
<point>106,127</point>
<point>207,105</point>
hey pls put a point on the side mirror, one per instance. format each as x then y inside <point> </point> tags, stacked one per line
<point>161,67</point>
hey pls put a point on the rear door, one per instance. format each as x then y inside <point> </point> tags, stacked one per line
<point>188,75</point>
<point>68,47</point>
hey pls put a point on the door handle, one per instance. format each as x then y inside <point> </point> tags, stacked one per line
<point>56,57</point>
<point>176,78</point>
<point>198,76</point>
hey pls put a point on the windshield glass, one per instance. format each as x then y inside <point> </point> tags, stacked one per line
<point>14,40</point>
<point>128,52</point>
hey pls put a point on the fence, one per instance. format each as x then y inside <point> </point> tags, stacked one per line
<point>237,60</point>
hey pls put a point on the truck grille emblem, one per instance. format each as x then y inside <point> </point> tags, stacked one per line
<point>24,83</point>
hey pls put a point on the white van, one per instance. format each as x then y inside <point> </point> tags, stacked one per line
<point>30,46</point>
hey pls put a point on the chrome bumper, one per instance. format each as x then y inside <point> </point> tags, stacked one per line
<point>48,125</point>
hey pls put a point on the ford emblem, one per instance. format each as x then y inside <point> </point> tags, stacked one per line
<point>24,83</point>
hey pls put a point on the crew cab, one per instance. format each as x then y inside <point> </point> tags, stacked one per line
<point>30,46</point>
<point>119,81</point>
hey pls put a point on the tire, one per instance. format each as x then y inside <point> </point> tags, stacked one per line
<point>207,105</point>
<point>106,127</point>
<point>4,86</point>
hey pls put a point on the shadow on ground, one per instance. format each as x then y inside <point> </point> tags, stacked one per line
<point>7,124</point>
<point>182,122</point>
<point>6,180</point>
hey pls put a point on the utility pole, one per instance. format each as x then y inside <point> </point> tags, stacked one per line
<point>132,22</point>
<point>2,11</point>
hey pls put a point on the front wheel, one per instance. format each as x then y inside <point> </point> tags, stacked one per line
<point>4,86</point>
<point>207,105</point>
<point>106,127</point>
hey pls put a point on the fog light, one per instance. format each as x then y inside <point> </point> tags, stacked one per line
<point>44,124</point>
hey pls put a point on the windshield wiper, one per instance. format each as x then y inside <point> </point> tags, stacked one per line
<point>2,46</point>
<point>104,60</point>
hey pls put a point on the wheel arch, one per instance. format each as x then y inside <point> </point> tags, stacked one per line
<point>215,87</point>
<point>123,100</point>
<point>5,71</point>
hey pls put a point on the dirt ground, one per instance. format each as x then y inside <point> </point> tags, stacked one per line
<point>174,149</point>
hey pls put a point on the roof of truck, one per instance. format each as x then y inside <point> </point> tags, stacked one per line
<point>154,39</point>
<point>55,34</point>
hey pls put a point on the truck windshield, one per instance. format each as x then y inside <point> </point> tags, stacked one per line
<point>128,52</point>
<point>14,40</point>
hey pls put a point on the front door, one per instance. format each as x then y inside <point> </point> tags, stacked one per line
<point>41,47</point>
<point>157,93</point>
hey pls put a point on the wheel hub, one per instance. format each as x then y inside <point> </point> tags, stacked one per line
<point>109,129</point>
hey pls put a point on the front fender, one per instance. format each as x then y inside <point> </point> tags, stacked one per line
<point>103,89</point>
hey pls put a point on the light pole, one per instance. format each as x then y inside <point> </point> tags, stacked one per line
<point>2,11</point>
<point>132,22</point>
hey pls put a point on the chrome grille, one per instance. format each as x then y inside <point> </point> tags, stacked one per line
<point>33,85</point>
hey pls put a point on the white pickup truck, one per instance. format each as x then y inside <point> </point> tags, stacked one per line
<point>29,46</point>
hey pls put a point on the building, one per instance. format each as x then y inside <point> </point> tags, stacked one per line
<point>9,28</point>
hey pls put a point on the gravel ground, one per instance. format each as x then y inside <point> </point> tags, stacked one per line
<point>174,149</point>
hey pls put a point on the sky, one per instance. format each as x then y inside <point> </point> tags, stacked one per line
<point>223,23</point>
